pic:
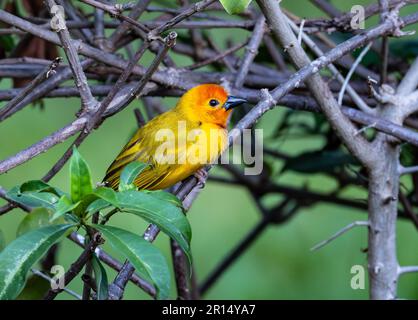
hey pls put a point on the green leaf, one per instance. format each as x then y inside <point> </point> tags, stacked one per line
<point>34,185</point>
<point>165,196</point>
<point>107,194</point>
<point>39,186</point>
<point>97,205</point>
<point>19,256</point>
<point>168,217</point>
<point>81,209</point>
<point>146,258</point>
<point>101,279</point>
<point>64,205</point>
<point>319,161</point>
<point>129,174</point>
<point>33,199</point>
<point>81,184</point>
<point>235,6</point>
<point>36,219</point>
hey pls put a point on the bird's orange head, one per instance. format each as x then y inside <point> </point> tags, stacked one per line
<point>208,103</point>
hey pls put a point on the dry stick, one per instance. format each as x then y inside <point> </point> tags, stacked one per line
<point>77,266</point>
<point>410,81</point>
<point>275,54</point>
<point>169,42</point>
<point>251,51</point>
<point>139,28</point>
<point>112,10</point>
<point>85,49</point>
<point>114,264</point>
<point>407,269</point>
<point>327,7</point>
<point>87,100</point>
<point>121,30</point>
<point>216,58</point>
<point>278,22</point>
<point>384,53</point>
<point>49,279</point>
<point>46,86</point>
<point>339,233</point>
<point>352,93</point>
<point>12,204</point>
<point>217,51</point>
<point>97,117</point>
<point>148,25</point>
<point>347,61</point>
<point>265,105</point>
<point>163,78</point>
<point>43,145</point>
<point>198,6</point>
<point>346,25</point>
<point>406,170</point>
<point>45,74</point>
<point>351,71</point>
<point>85,33</point>
<point>181,271</point>
<point>99,28</point>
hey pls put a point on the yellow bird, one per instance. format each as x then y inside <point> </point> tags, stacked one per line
<point>179,142</point>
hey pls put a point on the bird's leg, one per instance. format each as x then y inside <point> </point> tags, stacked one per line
<point>201,175</point>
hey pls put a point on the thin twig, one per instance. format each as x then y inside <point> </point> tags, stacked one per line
<point>196,7</point>
<point>407,269</point>
<point>49,279</point>
<point>339,233</point>
<point>87,99</point>
<point>251,51</point>
<point>45,74</point>
<point>351,71</point>
<point>77,266</point>
<point>181,271</point>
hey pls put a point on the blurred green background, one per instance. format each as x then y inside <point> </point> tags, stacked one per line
<point>279,265</point>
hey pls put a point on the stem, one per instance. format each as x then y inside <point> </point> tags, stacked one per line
<point>383,202</point>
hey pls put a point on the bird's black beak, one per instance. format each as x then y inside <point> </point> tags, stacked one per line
<point>233,102</point>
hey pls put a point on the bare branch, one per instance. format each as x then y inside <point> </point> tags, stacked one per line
<point>410,81</point>
<point>49,279</point>
<point>350,73</point>
<point>251,51</point>
<point>339,233</point>
<point>87,100</point>
<point>77,266</point>
<point>408,269</point>
<point>357,144</point>
<point>45,74</point>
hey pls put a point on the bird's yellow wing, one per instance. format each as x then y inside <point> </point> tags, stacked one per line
<point>137,149</point>
<point>143,147</point>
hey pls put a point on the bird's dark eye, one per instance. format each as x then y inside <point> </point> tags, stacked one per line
<point>213,102</point>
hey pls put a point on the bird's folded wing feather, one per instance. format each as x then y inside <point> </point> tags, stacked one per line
<point>143,148</point>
